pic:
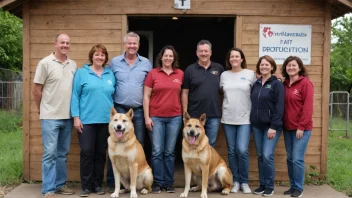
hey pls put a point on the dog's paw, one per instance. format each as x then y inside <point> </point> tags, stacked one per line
<point>114,195</point>
<point>225,192</point>
<point>184,194</point>
<point>204,195</point>
<point>133,195</point>
<point>144,191</point>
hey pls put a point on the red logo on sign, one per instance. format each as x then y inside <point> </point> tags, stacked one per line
<point>267,32</point>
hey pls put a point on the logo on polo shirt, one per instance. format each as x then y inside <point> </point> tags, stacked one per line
<point>109,82</point>
<point>177,81</point>
<point>215,72</point>
<point>268,86</point>
<point>243,78</point>
<point>296,92</point>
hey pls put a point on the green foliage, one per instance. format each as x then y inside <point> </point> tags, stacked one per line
<point>341,55</point>
<point>313,176</point>
<point>11,148</point>
<point>9,121</point>
<point>339,174</point>
<point>10,41</point>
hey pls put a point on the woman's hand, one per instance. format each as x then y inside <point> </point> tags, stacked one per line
<point>299,134</point>
<point>149,123</point>
<point>78,124</point>
<point>271,133</point>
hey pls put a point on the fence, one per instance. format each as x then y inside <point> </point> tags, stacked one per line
<point>10,95</point>
<point>339,111</point>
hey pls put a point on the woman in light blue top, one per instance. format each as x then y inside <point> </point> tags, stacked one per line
<point>93,88</point>
<point>236,84</point>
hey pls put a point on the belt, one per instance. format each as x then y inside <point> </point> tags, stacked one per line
<point>126,106</point>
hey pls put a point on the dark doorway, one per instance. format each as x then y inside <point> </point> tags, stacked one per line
<point>183,34</point>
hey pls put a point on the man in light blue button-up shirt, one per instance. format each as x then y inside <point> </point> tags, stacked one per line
<point>130,70</point>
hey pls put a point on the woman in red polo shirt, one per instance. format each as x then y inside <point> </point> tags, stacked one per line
<point>162,114</point>
<point>297,122</point>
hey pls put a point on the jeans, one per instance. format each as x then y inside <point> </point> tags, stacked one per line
<point>295,150</point>
<point>93,144</point>
<point>211,129</point>
<point>265,150</point>
<point>56,139</point>
<point>237,139</point>
<point>139,130</point>
<point>163,138</point>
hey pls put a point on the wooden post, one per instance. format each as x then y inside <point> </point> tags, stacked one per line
<point>124,29</point>
<point>238,32</point>
<point>325,90</point>
<point>26,90</point>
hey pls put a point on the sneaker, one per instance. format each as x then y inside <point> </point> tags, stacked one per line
<point>259,190</point>
<point>245,188</point>
<point>297,193</point>
<point>111,189</point>
<point>85,193</point>
<point>170,189</point>
<point>49,195</point>
<point>65,191</point>
<point>156,188</point>
<point>268,192</point>
<point>99,190</point>
<point>288,192</point>
<point>236,187</point>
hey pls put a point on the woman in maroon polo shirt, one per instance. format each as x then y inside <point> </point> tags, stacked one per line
<point>162,114</point>
<point>297,122</point>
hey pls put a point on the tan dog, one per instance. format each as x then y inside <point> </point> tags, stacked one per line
<point>127,156</point>
<point>200,159</point>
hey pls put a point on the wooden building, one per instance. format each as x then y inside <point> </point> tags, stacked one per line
<point>225,23</point>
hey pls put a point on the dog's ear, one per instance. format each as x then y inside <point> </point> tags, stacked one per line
<point>202,119</point>
<point>112,112</point>
<point>130,113</point>
<point>186,117</point>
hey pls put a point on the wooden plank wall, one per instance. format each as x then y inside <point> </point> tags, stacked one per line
<point>88,22</point>
<point>250,45</point>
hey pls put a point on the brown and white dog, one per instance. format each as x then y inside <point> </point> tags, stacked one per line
<point>202,161</point>
<point>127,156</point>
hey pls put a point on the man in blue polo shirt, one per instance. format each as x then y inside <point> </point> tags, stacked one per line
<point>200,91</point>
<point>130,70</point>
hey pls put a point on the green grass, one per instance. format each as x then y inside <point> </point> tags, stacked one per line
<point>340,123</point>
<point>339,174</point>
<point>11,148</point>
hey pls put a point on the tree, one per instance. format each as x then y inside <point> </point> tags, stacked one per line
<point>10,41</point>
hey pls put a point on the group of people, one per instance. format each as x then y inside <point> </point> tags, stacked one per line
<point>252,101</point>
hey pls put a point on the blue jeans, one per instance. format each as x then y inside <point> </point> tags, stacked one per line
<point>237,139</point>
<point>56,139</point>
<point>295,150</point>
<point>265,150</point>
<point>139,130</point>
<point>211,129</point>
<point>163,138</point>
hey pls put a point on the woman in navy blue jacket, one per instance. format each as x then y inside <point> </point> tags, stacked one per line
<point>267,98</point>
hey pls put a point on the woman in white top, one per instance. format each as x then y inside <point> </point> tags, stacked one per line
<point>236,84</point>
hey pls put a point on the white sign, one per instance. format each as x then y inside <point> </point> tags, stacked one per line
<point>282,41</point>
<point>182,4</point>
